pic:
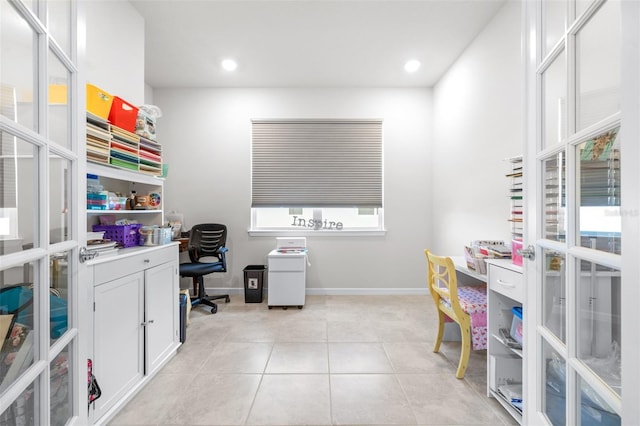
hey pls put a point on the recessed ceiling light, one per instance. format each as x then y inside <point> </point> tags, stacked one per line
<point>229,64</point>
<point>412,65</point>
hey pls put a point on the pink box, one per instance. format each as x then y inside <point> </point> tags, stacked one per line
<point>516,258</point>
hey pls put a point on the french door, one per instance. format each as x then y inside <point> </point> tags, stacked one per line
<point>581,157</point>
<point>42,367</point>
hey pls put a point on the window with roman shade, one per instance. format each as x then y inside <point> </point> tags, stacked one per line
<point>316,163</point>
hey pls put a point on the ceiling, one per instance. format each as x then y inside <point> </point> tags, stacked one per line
<point>306,43</point>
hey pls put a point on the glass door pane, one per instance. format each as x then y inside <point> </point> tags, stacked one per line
<point>17,89</point>
<point>59,312</point>
<point>593,409</point>
<point>59,112</point>
<point>599,333</point>
<point>600,223</point>
<point>554,101</point>
<point>554,397</point>
<point>23,410</point>
<point>554,197</point>
<point>554,294</point>
<point>59,200</point>
<point>18,194</point>
<point>17,325</point>
<point>61,391</point>
<point>598,66</point>
<point>59,17</point>
<point>554,12</point>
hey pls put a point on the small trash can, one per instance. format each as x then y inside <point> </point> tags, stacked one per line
<point>254,277</point>
<point>183,317</point>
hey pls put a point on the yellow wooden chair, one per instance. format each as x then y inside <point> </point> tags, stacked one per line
<point>443,286</point>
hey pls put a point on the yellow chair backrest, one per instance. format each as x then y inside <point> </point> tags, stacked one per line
<point>443,283</point>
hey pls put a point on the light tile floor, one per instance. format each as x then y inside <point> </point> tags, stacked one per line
<point>341,360</point>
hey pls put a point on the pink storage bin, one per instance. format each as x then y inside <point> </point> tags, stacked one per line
<point>516,247</point>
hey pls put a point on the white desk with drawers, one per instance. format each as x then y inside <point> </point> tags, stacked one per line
<point>505,289</point>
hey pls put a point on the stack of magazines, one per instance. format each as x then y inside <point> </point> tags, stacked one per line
<point>478,251</point>
<point>102,248</point>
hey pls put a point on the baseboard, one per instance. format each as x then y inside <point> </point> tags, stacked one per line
<point>335,291</point>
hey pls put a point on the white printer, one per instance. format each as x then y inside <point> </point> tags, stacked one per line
<point>287,269</point>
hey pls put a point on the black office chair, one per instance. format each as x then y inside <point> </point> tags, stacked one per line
<point>205,241</point>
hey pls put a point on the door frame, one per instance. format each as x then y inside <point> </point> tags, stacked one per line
<point>630,211</point>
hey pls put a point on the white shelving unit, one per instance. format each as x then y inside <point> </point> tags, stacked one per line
<point>516,197</point>
<point>504,363</point>
<point>124,181</point>
<point>135,318</point>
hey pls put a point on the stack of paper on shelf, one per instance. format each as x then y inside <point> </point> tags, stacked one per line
<point>98,139</point>
<point>102,248</point>
<point>150,157</point>
<point>124,149</point>
<point>516,197</point>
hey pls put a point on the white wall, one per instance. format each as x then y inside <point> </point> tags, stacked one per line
<point>206,138</point>
<point>115,49</point>
<point>478,124</point>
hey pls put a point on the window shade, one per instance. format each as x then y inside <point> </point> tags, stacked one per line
<point>317,163</point>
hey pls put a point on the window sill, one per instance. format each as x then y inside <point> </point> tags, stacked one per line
<point>351,233</point>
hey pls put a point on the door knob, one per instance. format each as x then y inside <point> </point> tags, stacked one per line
<point>528,253</point>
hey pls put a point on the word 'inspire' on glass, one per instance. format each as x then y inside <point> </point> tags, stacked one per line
<point>316,224</point>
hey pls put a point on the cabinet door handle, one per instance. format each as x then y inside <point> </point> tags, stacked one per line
<point>146,323</point>
<point>506,284</point>
<point>147,261</point>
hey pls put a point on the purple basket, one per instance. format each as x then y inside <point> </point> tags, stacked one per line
<point>126,235</point>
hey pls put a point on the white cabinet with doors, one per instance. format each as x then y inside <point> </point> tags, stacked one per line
<point>505,376</point>
<point>135,323</point>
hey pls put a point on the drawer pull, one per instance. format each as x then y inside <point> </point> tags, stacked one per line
<point>147,261</point>
<point>506,284</point>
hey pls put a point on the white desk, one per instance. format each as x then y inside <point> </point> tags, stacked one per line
<point>461,266</point>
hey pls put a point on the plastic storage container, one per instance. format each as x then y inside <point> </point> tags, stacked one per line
<point>516,324</point>
<point>127,235</point>
<point>97,200</point>
<point>123,114</point>
<point>254,283</point>
<point>516,257</point>
<point>98,101</point>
